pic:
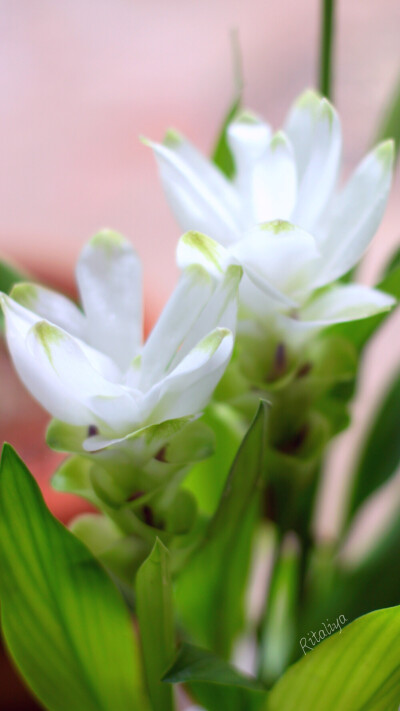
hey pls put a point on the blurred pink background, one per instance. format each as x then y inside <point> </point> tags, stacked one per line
<point>80,80</point>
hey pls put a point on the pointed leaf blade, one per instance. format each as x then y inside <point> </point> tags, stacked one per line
<point>156,621</point>
<point>64,622</point>
<point>214,683</point>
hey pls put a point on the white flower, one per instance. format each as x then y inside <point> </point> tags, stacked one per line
<point>89,369</point>
<point>282,218</point>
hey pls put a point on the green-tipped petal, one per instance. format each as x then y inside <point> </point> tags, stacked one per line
<point>50,306</point>
<point>197,248</point>
<point>356,213</point>
<point>199,195</point>
<point>110,283</point>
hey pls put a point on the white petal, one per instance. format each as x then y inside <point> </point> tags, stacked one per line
<point>203,167</point>
<point>274,182</point>
<point>70,387</point>
<point>188,388</point>
<point>300,127</point>
<point>248,138</point>
<point>50,306</point>
<point>219,312</point>
<point>109,279</point>
<point>347,302</point>
<point>256,303</point>
<point>265,170</point>
<point>55,369</point>
<point>357,213</point>
<point>189,298</point>
<point>341,303</point>
<point>197,201</point>
<point>322,167</point>
<point>19,321</point>
<point>197,248</point>
<point>280,259</point>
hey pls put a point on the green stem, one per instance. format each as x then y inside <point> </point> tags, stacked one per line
<point>326,48</point>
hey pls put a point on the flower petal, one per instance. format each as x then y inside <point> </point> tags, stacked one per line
<point>49,305</point>
<point>189,298</point>
<point>19,321</point>
<point>341,303</point>
<point>197,248</point>
<point>357,213</point>
<point>265,170</point>
<point>219,312</point>
<point>67,384</point>
<point>56,370</point>
<point>322,167</point>
<point>188,388</point>
<point>347,302</point>
<point>280,259</point>
<point>248,138</point>
<point>300,127</point>
<point>109,279</point>
<point>199,196</point>
<point>274,182</point>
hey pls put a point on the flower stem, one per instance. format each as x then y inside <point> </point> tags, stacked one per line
<point>326,48</point>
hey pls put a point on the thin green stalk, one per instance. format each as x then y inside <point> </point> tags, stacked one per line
<point>326,48</point>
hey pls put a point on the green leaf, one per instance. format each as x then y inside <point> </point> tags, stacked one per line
<point>9,276</point>
<point>357,669</point>
<point>214,683</point>
<point>390,124</point>
<point>210,596</point>
<point>326,68</point>
<point>381,452</point>
<point>156,621</point>
<point>392,264</point>
<point>353,589</point>
<point>206,479</point>
<point>244,482</point>
<point>278,629</point>
<point>64,622</point>
<point>222,154</point>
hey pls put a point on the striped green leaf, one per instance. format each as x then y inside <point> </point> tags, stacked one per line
<point>156,621</point>
<point>64,622</point>
<point>357,669</point>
